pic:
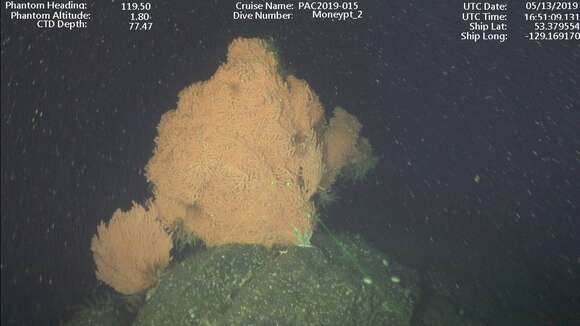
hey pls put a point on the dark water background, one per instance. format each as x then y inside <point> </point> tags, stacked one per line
<point>79,112</point>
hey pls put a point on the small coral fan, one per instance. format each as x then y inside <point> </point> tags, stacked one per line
<point>131,249</point>
<point>240,157</point>
<point>344,149</point>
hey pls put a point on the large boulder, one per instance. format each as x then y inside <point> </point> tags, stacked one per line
<point>338,281</point>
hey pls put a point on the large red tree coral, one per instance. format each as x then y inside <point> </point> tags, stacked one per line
<point>240,157</point>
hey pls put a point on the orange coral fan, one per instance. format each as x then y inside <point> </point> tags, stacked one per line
<point>130,249</point>
<point>340,140</point>
<point>241,156</point>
